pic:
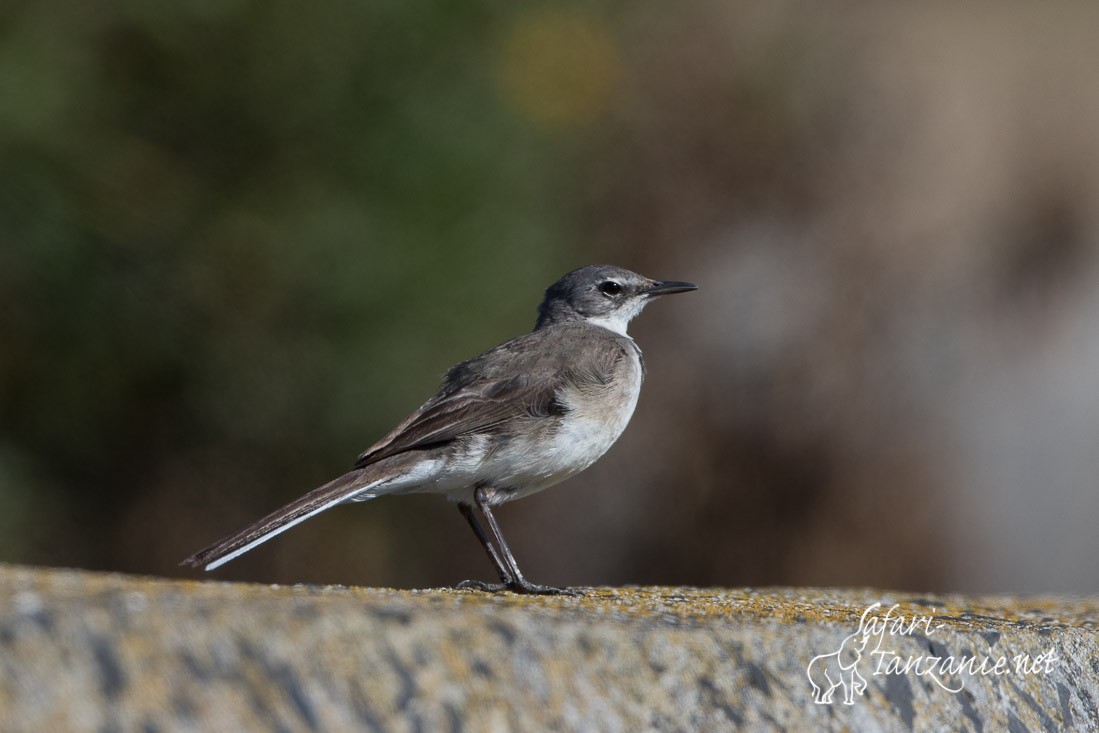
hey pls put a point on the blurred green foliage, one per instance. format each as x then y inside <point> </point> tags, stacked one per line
<point>238,240</point>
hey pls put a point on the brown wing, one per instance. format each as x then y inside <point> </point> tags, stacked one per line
<point>511,382</point>
<point>479,407</point>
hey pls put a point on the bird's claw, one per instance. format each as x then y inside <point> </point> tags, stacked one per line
<point>482,586</point>
<point>522,587</point>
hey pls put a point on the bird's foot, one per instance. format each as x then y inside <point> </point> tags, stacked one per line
<point>482,586</point>
<point>543,590</point>
<point>523,586</point>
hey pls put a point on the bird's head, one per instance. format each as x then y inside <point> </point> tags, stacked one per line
<point>603,295</point>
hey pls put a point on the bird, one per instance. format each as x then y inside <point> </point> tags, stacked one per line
<point>512,421</point>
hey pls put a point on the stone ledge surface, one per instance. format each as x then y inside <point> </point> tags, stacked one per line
<point>92,651</point>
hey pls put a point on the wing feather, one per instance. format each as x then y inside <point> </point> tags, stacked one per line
<point>479,407</point>
<point>509,383</point>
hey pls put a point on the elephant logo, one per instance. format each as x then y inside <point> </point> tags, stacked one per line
<point>826,672</point>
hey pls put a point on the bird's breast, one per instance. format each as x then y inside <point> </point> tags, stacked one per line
<point>593,421</point>
<point>527,461</point>
<point>596,417</point>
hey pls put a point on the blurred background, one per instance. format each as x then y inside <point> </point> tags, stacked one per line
<point>239,241</point>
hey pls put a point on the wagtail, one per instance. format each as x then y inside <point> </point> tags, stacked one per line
<point>517,419</point>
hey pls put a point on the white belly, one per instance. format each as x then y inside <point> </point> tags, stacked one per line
<point>591,429</point>
<point>593,423</point>
<point>533,461</point>
<point>541,459</point>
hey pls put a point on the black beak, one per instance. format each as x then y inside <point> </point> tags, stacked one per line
<point>667,287</point>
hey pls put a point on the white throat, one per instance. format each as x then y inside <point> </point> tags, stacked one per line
<point>619,319</point>
<point>614,322</point>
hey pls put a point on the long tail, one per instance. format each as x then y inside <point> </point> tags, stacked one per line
<point>316,501</point>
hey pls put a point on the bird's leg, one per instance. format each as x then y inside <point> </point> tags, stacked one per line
<point>517,583</point>
<point>493,555</point>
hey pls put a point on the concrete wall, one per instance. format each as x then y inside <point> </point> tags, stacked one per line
<point>90,651</point>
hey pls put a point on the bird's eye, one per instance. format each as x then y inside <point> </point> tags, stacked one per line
<point>610,287</point>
